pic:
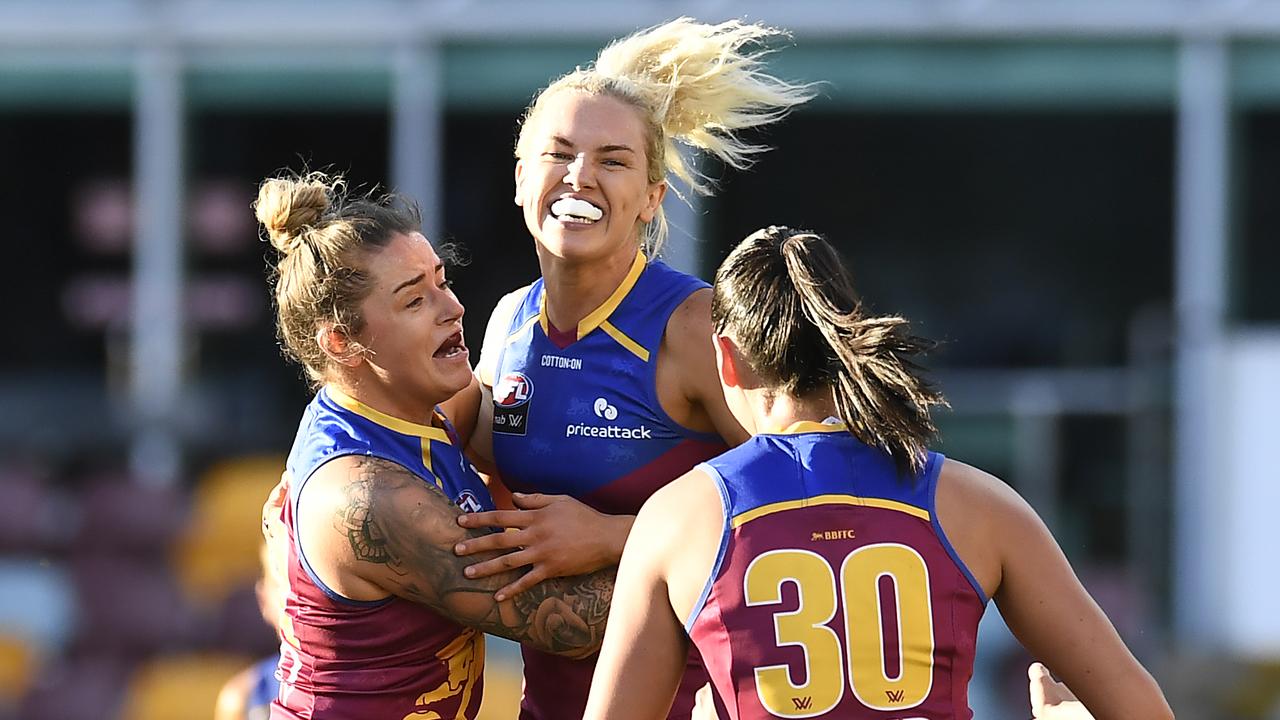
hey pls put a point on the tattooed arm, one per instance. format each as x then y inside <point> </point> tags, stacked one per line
<point>370,528</point>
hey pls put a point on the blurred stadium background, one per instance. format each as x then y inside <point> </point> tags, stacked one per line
<point>1075,195</point>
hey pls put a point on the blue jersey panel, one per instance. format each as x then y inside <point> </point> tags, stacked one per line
<point>816,460</point>
<point>577,413</point>
<point>335,424</point>
<point>584,419</point>
<point>817,463</point>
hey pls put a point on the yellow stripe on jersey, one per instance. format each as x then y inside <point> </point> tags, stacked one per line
<point>742,518</point>
<point>602,313</point>
<point>626,342</point>
<point>385,420</point>
<point>426,462</point>
<point>808,426</point>
<point>596,317</point>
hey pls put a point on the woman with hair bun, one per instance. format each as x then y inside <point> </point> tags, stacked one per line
<point>379,620</point>
<point>600,377</point>
<point>832,566</point>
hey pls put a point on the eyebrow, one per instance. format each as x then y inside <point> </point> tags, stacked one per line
<point>603,148</point>
<point>412,281</point>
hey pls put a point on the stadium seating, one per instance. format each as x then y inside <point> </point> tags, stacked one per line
<point>218,550</point>
<point>178,687</point>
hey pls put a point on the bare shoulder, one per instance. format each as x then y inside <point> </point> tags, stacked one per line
<point>961,486</point>
<point>325,490</point>
<point>335,482</point>
<point>977,510</point>
<point>354,512</point>
<point>966,482</point>
<point>687,341</point>
<point>691,320</point>
<point>690,494</point>
<point>688,382</point>
<point>678,533</point>
<point>673,515</point>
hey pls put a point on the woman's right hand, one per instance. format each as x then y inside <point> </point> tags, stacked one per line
<point>1050,699</point>
<point>554,535</point>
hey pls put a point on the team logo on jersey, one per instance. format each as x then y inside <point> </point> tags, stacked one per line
<point>841,534</point>
<point>468,502</point>
<point>604,409</point>
<point>511,397</point>
<point>513,390</point>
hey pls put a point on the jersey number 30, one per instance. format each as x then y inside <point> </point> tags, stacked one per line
<point>863,654</point>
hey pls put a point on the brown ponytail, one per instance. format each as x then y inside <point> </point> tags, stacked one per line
<point>790,305</point>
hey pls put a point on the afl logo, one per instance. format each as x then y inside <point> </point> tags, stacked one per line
<point>513,390</point>
<point>467,502</point>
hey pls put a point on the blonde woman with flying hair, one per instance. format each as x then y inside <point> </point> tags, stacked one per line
<point>599,378</point>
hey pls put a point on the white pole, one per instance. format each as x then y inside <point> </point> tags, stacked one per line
<point>155,379</point>
<point>1200,290</point>
<point>417,132</point>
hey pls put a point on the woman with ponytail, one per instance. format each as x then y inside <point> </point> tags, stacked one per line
<point>832,566</point>
<point>601,378</point>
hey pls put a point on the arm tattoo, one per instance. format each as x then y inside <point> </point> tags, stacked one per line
<point>390,517</point>
<point>367,543</point>
<point>566,614</point>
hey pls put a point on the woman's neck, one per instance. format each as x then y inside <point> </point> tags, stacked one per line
<point>378,395</point>
<point>773,412</point>
<point>575,289</point>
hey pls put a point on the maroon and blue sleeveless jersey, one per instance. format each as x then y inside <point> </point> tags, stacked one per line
<point>580,416</point>
<point>835,593</point>
<point>342,658</point>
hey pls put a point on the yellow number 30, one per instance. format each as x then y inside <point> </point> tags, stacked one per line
<point>806,627</point>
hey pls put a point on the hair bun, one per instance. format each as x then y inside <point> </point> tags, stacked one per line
<point>285,207</point>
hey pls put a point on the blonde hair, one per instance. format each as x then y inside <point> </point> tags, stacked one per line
<point>693,83</point>
<point>322,235</point>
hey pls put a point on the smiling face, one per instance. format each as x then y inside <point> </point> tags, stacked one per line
<point>582,177</point>
<point>412,331</point>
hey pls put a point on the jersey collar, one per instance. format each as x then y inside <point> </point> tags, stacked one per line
<point>403,427</point>
<point>597,317</point>
<point>809,426</point>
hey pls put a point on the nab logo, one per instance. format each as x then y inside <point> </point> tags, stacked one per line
<point>604,409</point>
<point>513,390</point>
<point>511,404</point>
<point>895,696</point>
